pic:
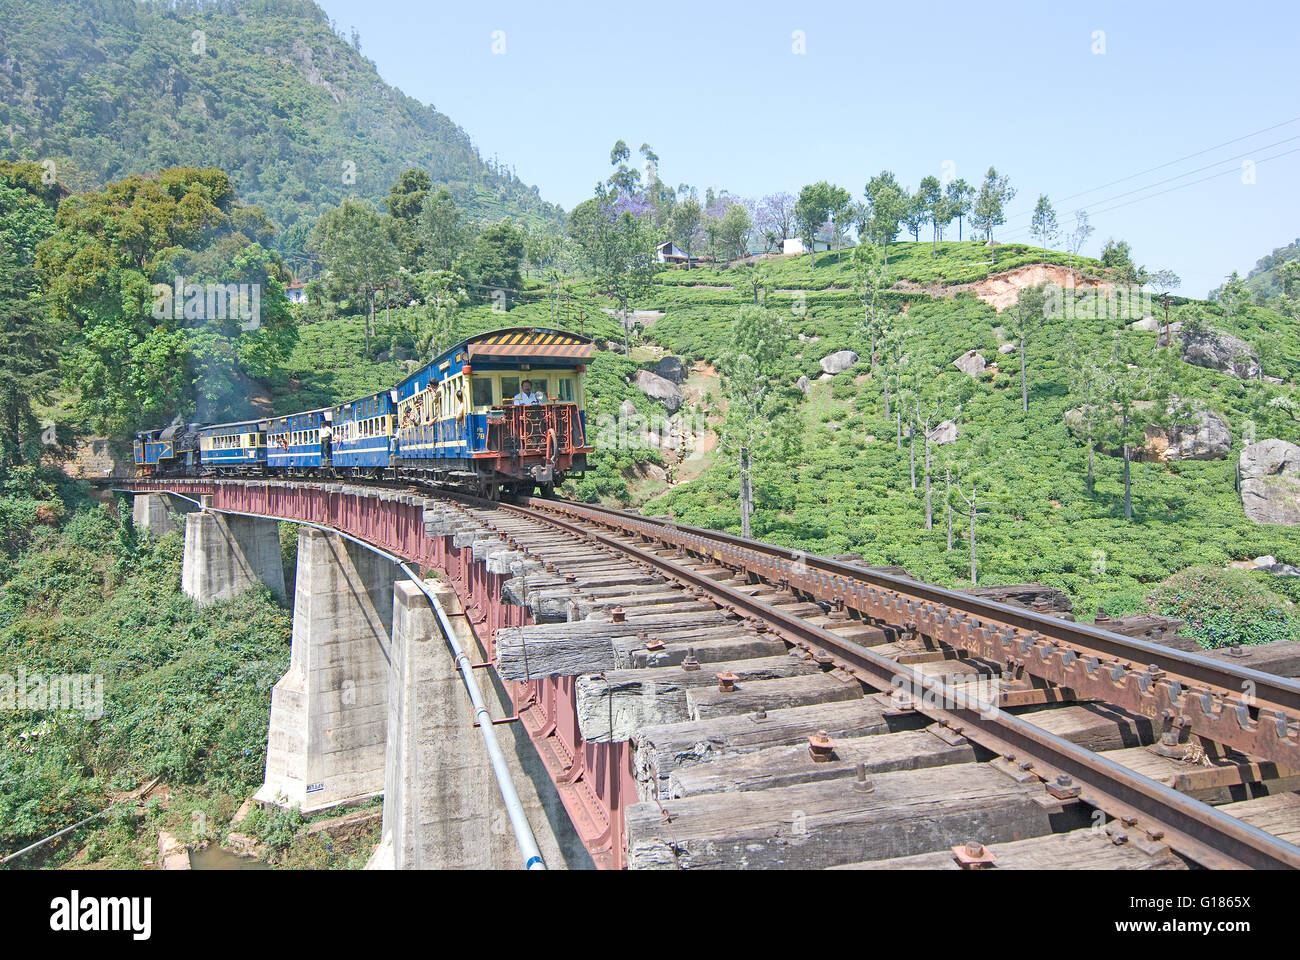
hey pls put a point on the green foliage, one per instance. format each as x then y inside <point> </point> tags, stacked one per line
<point>276,828</point>
<point>29,341</point>
<point>109,270</point>
<point>1223,607</point>
<point>271,94</point>
<point>988,212</point>
<point>850,493</point>
<point>492,263</point>
<point>186,691</point>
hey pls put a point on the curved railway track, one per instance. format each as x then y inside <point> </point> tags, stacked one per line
<point>782,709</point>
<point>1190,699</point>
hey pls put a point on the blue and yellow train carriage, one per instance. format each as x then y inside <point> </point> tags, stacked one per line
<point>234,448</point>
<point>457,416</point>
<point>362,433</point>
<point>299,442</point>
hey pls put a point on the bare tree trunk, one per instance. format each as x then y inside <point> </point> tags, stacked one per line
<point>911,444</point>
<point>947,479</point>
<point>929,512</point>
<point>887,413</point>
<point>746,492</point>
<point>1024,383</point>
<point>1128,498</point>
<point>898,420</point>
<point>368,323</point>
<point>974,575</point>
<point>1090,449</point>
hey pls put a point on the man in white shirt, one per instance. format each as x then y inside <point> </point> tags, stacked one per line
<point>525,396</point>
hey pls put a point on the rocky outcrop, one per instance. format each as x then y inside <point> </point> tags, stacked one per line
<point>945,433</point>
<point>658,388</point>
<point>1206,437</point>
<point>1269,476</point>
<point>671,368</point>
<point>1198,434</point>
<point>970,362</point>
<point>839,361</point>
<point>627,409</point>
<point>1007,348</point>
<point>1220,351</point>
<point>803,384</point>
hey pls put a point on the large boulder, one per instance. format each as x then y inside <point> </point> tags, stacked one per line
<point>1220,351</point>
<point>970,362</point>
<point>671,368</point>
<point>944,433</point>
<point>658,388</point>
<point>839,361</point>
<point>803,384</point>
<point>1269,474</point>
<point>627,409</point>
<point>1206,437</point>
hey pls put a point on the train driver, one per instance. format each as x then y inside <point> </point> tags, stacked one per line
<point>526,396</point>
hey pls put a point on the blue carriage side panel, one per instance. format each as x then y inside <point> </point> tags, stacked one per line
<point>294,441</point>
<point>231,446</point>
<point>363,432</point>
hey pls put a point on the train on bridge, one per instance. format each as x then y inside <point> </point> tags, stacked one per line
<point>500,412</point>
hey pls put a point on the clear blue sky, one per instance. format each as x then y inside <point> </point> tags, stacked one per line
<point>718,92</point>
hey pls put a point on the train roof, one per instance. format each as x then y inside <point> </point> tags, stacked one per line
<point>234,423</point>
<point>508,343</point>
<point>526,342</point>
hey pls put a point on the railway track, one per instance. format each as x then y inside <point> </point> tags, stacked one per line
<point>707,701</point>
<point>784,708</point>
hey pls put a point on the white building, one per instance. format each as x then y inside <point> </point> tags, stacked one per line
<point>669,252</point>
<point>794,245</point>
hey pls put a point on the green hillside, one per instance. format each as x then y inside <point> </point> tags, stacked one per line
<point>848,488</point>
<point>264,89</point>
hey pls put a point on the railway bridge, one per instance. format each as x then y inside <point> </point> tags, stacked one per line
<point>569,685</point>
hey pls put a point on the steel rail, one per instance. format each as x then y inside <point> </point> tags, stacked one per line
<point>1245,709</point>
<point>1206,835</point>
<point>1280,691</point>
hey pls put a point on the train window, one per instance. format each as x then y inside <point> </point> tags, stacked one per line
<point>564,389</point>
<point>482,391</point>
<point>509,388</point>
<point>539,386</point>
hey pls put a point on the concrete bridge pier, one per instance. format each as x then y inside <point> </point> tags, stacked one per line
<point>329,712</point>
<point>152,512</point>
<point>442,805</point>
<point>227,554</point>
